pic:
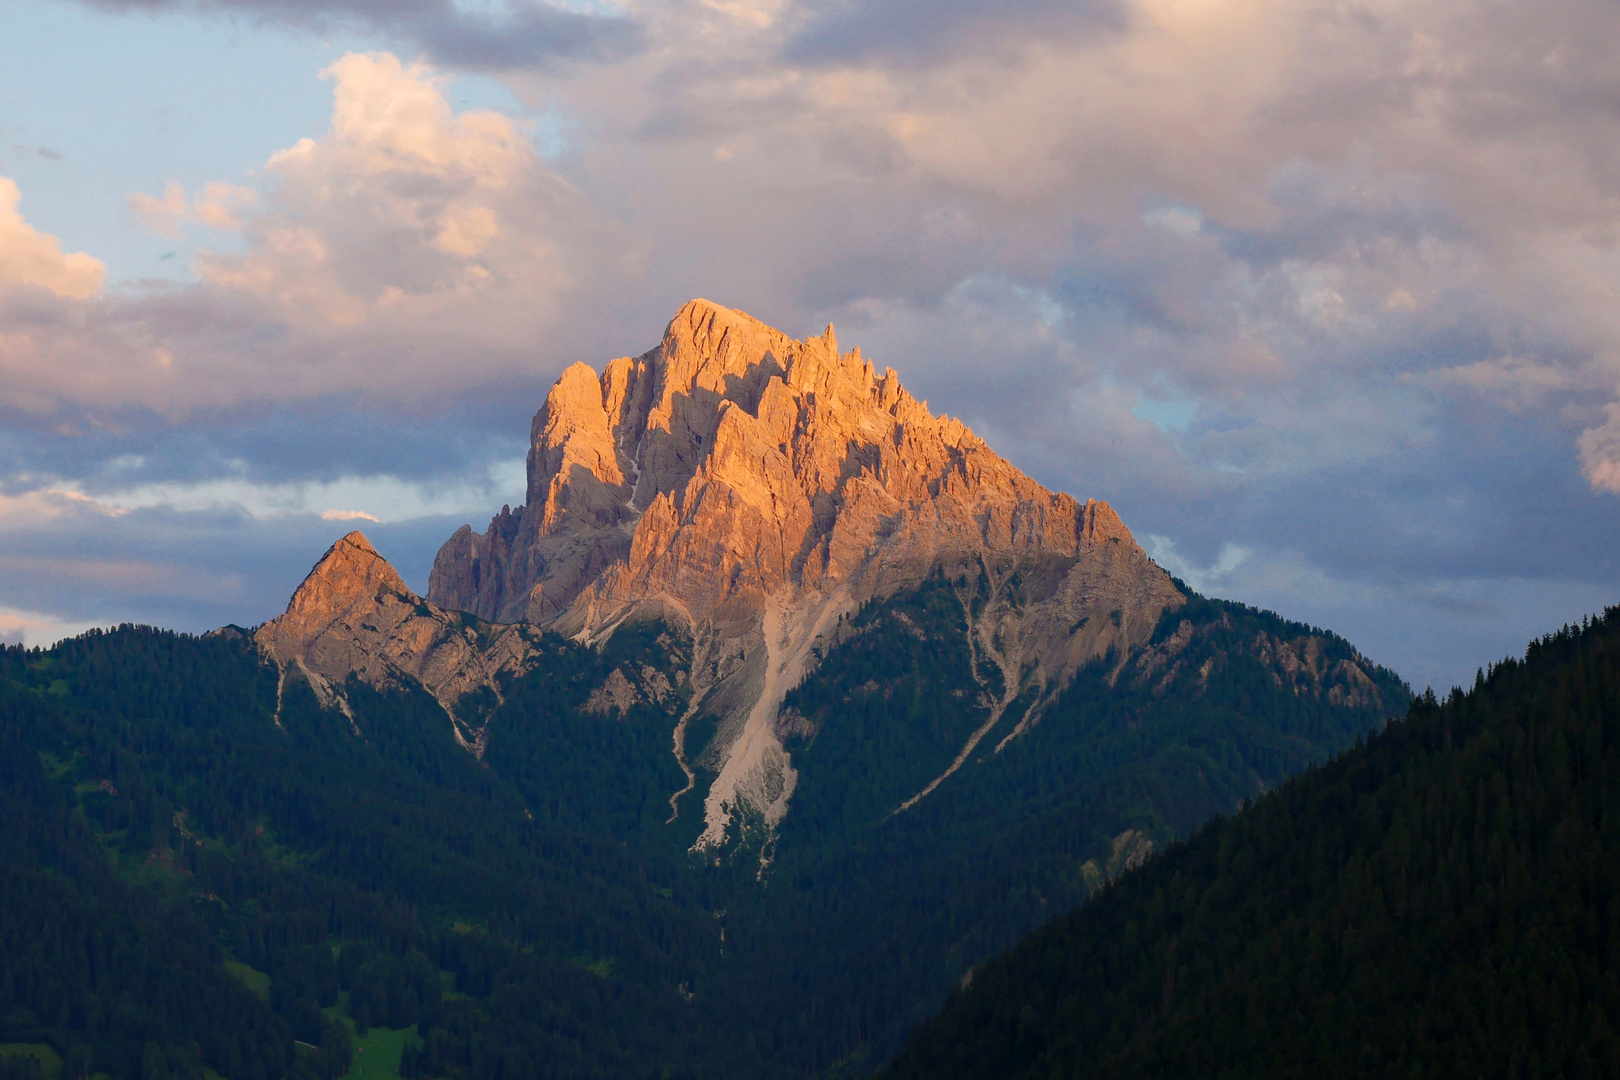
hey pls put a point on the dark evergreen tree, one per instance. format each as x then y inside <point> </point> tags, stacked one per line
<point>170,803</point>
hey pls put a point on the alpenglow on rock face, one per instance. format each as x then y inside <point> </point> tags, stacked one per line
<point>354,615</point>
<point>754,489</point>
<point>731,462</point>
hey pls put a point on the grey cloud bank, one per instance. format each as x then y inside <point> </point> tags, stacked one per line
<point>525,34</point>
<point>928,32</point>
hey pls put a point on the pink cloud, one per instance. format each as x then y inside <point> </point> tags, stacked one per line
<point>30,257</point>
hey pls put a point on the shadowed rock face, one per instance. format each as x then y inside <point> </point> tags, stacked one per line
<point>757,488</point>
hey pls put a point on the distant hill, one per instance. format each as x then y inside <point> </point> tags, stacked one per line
<point>1443,901</point>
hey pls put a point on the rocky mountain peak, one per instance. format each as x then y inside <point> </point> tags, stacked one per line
<point>757,488</point>
<point>351,574</point>
<point>354,615</point>
<point>732,463</point>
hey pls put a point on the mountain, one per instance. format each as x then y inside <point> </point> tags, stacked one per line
<point>779,707</point>
<point>756,491</point>
<point>1440,901</point>
<point>733,470</point>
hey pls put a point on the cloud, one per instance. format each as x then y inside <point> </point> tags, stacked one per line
<point>1343,239</point>
<point>406,235</point>
<point>1205,579</point>
<point>928,31</point>
<point>165,215</point>
<point>523,34</point>
<point>191,570</point>
<point>1514,382</point>
<point>1365,255</point>
<point>386,498</point>
<point>403,202</point>
<point>44,153</point>
<point>1437,633</point>
<point>218,205</point>
<point>30,257</point>
<point>36,629</point>
<point>200,558</point>
<point>1600,452</point>
<point>29,508</point>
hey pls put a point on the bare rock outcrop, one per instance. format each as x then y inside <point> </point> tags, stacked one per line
<point>354,615</point>
<point>757,488</point>
<point>733,462</point>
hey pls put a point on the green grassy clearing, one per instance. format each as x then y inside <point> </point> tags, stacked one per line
<point>601,968</point>
<point>376,1056</point>
<point>49,1059</point>
<point>255,980</point>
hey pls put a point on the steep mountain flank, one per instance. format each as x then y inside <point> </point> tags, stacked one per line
<point>1215,708</point>
<point>1440,901</point>
<point>758,490</point>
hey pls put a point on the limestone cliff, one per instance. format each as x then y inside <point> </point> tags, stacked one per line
<point>732,462</point>
<point>354,615</point>
<point>756,488</point>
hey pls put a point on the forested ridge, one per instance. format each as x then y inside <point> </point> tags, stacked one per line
<point>160,812</point>
<point>175,813</point>
<point>1442,901</point>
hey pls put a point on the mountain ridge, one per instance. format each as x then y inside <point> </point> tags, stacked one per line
<point>755,493</point>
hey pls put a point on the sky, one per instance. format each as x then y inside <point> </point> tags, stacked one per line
<point>1323,297</point>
